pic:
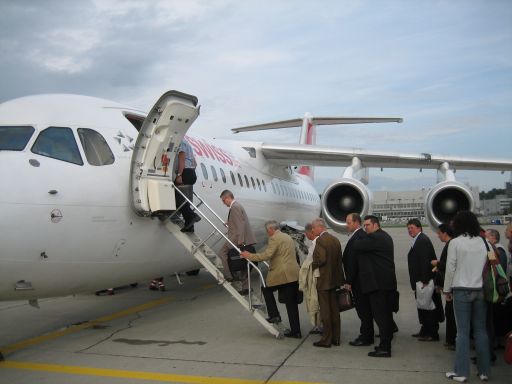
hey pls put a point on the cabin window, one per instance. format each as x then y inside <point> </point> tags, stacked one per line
<point>246,181</point>
<point>233,180</point>
<point>14,138</point>
<point>95,147</point>
<point>273,188</point>
<point>264,186</point>
<point>223,175</point>
<point>259,185</point>
<point>253,183</point>
<point>214,173</point>
<point>58,143</point>
<point>240,180</point>
<point>205,171</point>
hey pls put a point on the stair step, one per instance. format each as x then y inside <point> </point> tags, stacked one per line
<point>212,263</point>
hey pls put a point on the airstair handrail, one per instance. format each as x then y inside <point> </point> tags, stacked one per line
<point>249,262</point>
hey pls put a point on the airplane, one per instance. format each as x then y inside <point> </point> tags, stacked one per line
<point>88,187</point>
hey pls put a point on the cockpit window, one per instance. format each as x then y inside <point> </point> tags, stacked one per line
<point>58,143</point>
<point>95,146</point>
<point>14,138</point>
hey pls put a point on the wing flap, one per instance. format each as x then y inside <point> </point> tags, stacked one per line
<point>339,157</point>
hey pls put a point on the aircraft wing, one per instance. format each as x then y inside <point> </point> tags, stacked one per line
<point>332,156</point>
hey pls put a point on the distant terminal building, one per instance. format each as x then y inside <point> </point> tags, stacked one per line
<point>499,205</point>
<point>400,206</point>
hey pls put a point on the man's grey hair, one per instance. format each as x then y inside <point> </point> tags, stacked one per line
<point>319,222</point>
<point>494,233</point>
<point>272,224</point>
<point>308,227</point>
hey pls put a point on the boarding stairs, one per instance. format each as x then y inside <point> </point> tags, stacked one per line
<point>202,251</point>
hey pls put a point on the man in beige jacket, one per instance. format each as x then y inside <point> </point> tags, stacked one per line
<point>283,275</point>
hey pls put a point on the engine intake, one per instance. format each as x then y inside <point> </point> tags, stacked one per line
<point>342,197</point>
<point>445,200</point>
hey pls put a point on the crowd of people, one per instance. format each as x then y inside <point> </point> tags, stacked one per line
<point>366,268</point>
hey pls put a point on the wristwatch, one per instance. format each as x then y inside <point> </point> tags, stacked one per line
<point>178,175</point>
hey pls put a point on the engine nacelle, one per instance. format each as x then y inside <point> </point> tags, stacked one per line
<point>445,200</point>
<point>342,197</point>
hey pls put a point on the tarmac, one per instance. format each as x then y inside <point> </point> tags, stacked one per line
<point>196,332</point>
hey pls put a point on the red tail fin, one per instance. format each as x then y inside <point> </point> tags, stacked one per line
<point>308,137</point>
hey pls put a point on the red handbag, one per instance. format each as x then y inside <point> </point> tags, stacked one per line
<point>507,355</point>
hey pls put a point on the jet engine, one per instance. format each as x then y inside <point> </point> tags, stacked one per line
<point>342,197</point>
<point>445,199</point>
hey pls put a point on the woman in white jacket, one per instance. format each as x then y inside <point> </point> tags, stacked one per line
<point>463,284</point>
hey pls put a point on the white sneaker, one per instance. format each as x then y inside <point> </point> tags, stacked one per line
<point>483,377</point>
<point>455,377</point>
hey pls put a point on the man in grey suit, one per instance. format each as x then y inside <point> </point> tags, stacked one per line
<point>239,233</point>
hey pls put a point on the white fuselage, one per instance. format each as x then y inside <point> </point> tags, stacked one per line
<point>68,228</point>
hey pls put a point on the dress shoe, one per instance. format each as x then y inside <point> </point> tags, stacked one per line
<point>188,228</point>
<point>274,319</point>
<point>379,353</point>
<point>243,292</point>
<point>294,335</point>
<point>419,334</point>
<point>428,338</point>
<point>336,343</point>
<point>315,331</point>
<point>359,343</point>
<point>321,345</point>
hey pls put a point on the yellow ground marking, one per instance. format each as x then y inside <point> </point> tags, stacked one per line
<point>74,328</point>
<point>117,373</point>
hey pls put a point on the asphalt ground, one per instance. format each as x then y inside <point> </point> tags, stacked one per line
<point>197,333</point>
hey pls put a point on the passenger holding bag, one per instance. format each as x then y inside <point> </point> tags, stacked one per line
<point>495,282</point>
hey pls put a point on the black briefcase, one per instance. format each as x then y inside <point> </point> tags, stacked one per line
<point>235,262</point>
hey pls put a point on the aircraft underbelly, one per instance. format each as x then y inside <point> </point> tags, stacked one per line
<point>107,252</point>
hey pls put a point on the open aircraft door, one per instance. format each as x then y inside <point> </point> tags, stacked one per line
<point>155,151</point>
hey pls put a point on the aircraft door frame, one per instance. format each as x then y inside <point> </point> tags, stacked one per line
<point>153,156</point>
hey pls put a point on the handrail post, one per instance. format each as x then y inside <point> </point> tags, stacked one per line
<point>249,262</point>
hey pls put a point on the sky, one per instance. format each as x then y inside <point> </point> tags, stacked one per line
<point>445,67</point>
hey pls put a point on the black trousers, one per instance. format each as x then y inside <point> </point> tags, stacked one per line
<point>364,312</point>
<point>381,303</point>
<point>429,320</point>
<point>289,292</point>
<point>451,327</point>
<point>189,177</point>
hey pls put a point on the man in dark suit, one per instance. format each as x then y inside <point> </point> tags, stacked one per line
<point>239,233</point>
<point>378,280</point>
<point>419,260</point>
<point>327,258</point>
<point>350,264</point>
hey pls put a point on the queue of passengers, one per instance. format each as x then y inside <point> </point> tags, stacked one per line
<point>366,268</point>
